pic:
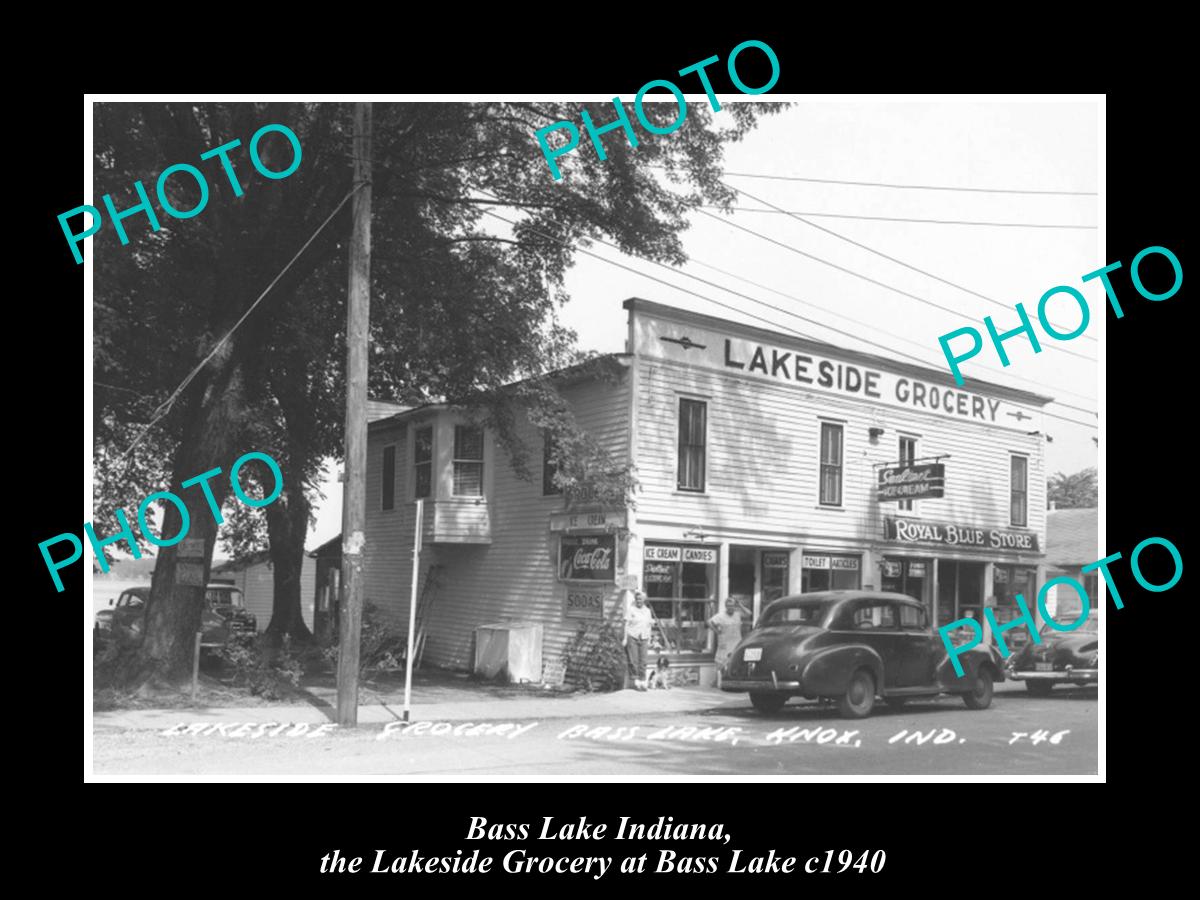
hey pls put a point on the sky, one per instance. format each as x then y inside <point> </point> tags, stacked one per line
<point>1007,145</point>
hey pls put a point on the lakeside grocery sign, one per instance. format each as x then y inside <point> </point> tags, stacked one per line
<point>804,365</point>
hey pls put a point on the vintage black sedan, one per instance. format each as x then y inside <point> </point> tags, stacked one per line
<point>852,647</point>
<point>1062,657</point>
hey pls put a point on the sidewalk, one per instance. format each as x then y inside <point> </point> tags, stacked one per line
<point>439,704</point>
<point>466,708</point>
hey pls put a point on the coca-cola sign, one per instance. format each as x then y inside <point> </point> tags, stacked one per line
<point>587,557</point>
<point>911,482</point>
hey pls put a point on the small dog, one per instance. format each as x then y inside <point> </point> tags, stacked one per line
<point>658,675</point>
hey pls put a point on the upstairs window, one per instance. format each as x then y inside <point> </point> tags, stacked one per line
<point>831,464</point>
<point>1019,491</point>
<point>388,486</point>
<point>693,424</point>
<point>468,461</point>
<point>422,462</point>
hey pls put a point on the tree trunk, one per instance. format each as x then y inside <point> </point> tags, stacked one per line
<point>173,613</point>
<point>287,526</point>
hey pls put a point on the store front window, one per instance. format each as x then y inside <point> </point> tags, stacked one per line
<point>681,586</point>
<point>830,572</point>
<point>960,591</point>
<point>913,577</point>
<point>775,576</point>
<point>1008,581</point>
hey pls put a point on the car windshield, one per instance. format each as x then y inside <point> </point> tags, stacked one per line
<point>223,597</point>
<point>810,612</point>
<point>131,600</point>
<point>1091,626</point>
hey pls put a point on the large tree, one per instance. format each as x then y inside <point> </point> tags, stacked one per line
<point>460,303</point>
<point>1076,491</point>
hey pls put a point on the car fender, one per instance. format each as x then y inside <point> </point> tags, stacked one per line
<point>971,661</point>
<point>827,672</point>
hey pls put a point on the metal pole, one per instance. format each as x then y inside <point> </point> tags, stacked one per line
<point>195,666</point>
<point>354,504</point>
<point>412,608</point>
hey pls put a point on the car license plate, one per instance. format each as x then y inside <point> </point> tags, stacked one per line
<point>752,654</point>
<point>1042,667</point>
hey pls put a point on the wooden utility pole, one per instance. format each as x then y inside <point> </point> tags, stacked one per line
<point>354,495</point>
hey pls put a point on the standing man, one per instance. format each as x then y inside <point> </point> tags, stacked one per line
<point>728,626</point>
<point>638,622</point>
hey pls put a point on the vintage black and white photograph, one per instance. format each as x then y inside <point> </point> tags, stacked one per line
<point>712,433</point>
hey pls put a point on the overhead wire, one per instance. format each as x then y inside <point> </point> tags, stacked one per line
<point>829,215</point>
<point>852,272</point>
<point>888,348</point>
<point>915,187</point>
<point>166,405</point>
<point>771,323</point>
<point>900,262</point>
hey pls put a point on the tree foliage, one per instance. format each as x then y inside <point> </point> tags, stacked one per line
<point>1077,491</point>
<point>461,304</point>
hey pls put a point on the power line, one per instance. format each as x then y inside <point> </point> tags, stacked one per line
<point>913,343</point>
<point>165,406</point>
<point>900,262</point>
<point>829,215</point>
<point>915,187</point>
<point>859,275</point>
<point>822,309</point>
<point>772,324</point>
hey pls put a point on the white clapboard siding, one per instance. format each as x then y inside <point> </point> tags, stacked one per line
<point>763,463</point>
<point>511,578</point>
<point>257,583</point>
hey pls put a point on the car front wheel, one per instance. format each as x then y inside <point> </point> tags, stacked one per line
<point>859,699</point>
<point>767,703</point>
<point>1039,688</point>
<point>980,696</point>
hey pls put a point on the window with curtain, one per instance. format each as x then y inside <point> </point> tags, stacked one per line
<point>693,416</point>
<point>468,461</point>
<point>1019,491</point>
<point>831,464</point>
<point>422,461</point>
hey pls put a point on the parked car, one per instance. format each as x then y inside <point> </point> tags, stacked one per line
<point>1062,657</point>
<point>224,614</point>
<point>102,622</point>
<point>852,647</point>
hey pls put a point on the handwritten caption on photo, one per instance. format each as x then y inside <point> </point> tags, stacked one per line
<point>818,735</point>
<point>523,861</point>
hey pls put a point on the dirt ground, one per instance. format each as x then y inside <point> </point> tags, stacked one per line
<point>216,689</point>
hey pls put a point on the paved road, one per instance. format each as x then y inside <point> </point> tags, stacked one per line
<point>938,737</point>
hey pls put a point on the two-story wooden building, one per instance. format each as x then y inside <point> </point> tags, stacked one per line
<point>767,464</point>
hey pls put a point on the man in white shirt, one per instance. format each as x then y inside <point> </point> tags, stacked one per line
<point>638,622</point>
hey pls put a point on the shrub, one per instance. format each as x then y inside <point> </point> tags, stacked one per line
<point>272,676</point>
<point>380,646</point>
<point>595,659</point>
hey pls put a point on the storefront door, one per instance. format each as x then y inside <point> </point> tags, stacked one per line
<point>960,591</point>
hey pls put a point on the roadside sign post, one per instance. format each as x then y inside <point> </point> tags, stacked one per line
<point>412,609</point>
<point>195,666</point>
